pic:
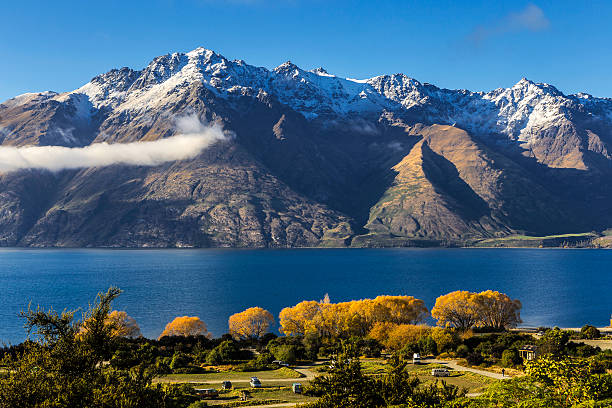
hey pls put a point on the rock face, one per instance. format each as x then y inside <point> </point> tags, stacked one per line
<point>314,160</point>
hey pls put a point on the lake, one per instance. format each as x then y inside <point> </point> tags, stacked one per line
<point>567,288</point>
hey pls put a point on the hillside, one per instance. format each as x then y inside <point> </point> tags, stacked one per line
<point>309,159</point>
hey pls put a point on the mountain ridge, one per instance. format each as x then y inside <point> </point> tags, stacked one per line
<point>327,152</point>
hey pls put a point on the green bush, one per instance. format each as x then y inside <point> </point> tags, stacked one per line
<point>179,360</point>
<point>427,346</point>
<point>223,353</point>
<point>510,358</point>
<point>590,332</point>
<point>462,350</point>
<point>474,358</point>
<point>287,353</point>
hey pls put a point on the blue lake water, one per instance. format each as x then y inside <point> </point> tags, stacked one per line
<point>568,288</point>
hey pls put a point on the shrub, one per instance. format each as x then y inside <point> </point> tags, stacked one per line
<point>287,353</point>
<point>510,358</point>
<point>223,353</point>
<point>427,346</point>
<point>179,360</point>
<point>590,332</point>
<point>445,339</point>
<point>474,358</point>
<point>553,342</point>
<point>463,350</point>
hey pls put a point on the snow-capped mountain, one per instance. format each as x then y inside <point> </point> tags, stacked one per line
<point>340,143</point>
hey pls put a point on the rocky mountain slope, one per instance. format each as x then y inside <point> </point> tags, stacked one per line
<point>314,159</point>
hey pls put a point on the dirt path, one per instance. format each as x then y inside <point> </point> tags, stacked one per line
<point>453,364</point>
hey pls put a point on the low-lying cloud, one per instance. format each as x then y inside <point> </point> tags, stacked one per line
<point>531,19</point>
<point>192,139</point>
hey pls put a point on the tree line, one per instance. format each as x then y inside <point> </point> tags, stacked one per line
<point>461,310</point>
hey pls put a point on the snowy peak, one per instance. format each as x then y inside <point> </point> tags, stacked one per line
<point>513,111</point>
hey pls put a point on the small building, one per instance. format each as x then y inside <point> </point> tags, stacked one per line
<point>528,352</point>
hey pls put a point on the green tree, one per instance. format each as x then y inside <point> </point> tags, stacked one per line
<point>345,386</point>
<point>553,342</point>
<point>510,358</point>
<point>64,367</point>
<point>590,332</point>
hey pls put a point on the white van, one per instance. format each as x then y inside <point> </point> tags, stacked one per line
<point>416,358</point>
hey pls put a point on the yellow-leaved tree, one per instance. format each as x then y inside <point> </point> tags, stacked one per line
<point>464,310</point>
<point>123,324</point>
<point>497,310</point>
<point>402,334</point>
<point>252,323</point>
<point>299,319</point>
<point>119,322</point>
<point>356,317</point>
<point>456,309</point>
<point>186,326</point>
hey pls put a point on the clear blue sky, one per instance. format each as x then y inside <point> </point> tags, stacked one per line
<point>479,45</point>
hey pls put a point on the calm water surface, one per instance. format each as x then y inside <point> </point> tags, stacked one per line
<point>568,288</point>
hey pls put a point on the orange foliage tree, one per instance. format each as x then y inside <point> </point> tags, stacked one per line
<point>118,322</point>
<point>498,310</point>
<point>252,323</point>
<point>456,309</point>
<point>356,317</point>
<point>185,326</point>
<point>402,334</point>
<point>123,324</point>
<point>464,310</point>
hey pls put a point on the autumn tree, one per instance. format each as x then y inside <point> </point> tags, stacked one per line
<point>119,324</point>
<point>123,324</point>
<point>186,326</point>
<point>403,334</point>
<point>252,323</point>
<point>299,319</point>
<point>356,317</point>
<point>497,310</point>
<point>456,309</point>
<point>398,309</point>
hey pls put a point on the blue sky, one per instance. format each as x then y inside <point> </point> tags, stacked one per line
<point>478,45</point>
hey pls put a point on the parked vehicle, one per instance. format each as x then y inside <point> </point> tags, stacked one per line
<point>440,372</point>
<point>226,385</point>
<point>297,388</point>
<point>280,363</point>
<point>255,383</point>
<point>416,358</point>
<point>206,392</point>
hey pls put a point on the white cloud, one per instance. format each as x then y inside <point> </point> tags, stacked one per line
<point>192,139</point>
<point>531,18</point>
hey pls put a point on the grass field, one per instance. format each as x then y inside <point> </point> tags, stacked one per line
<point>266,395</point>
<point>531,241</point>
<point>279,374</point>
<point>470,381</point>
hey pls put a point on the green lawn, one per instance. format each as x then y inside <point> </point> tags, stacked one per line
<point>281,373</point>
<point>261,396</point>
<point>471,381</point>
<point>532,241</point>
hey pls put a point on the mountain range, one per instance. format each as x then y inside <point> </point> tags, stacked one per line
<point>311,159</point>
